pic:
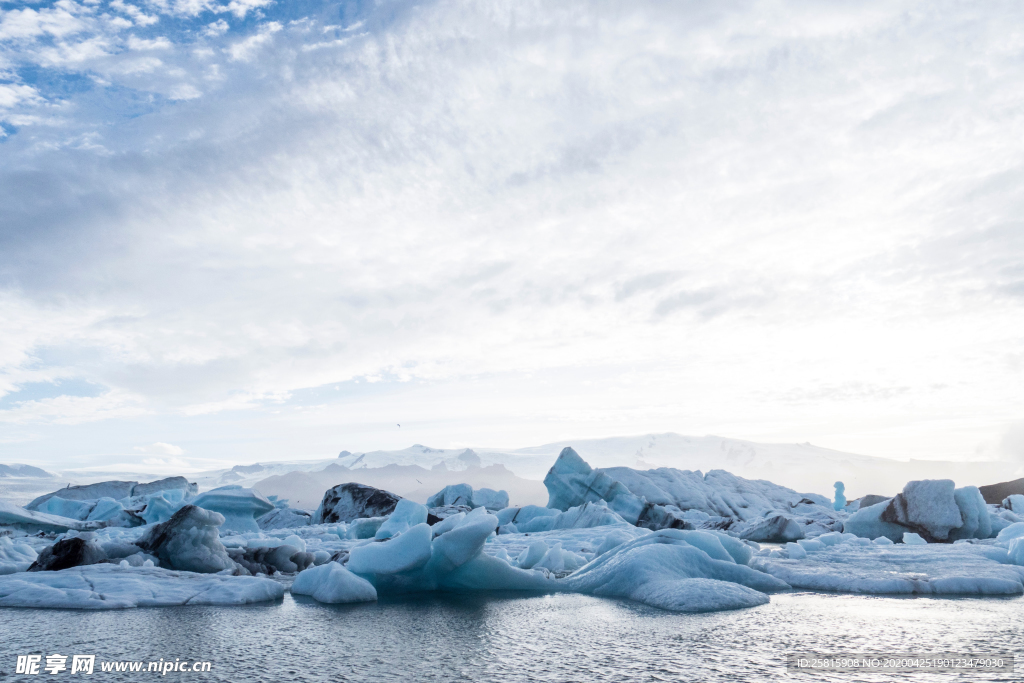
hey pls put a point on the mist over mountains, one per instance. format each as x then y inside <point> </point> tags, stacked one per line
<point>418,471</point>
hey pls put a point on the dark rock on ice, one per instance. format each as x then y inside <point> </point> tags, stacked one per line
<point>777,528</point>
<point>284,558</point>
<point>189,541</point>
<point>995,493</point>
<point>871,499</point>
<point>70,552</point>
<point>347,502</point>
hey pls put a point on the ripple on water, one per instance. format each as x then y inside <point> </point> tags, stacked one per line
<point>511,637</point>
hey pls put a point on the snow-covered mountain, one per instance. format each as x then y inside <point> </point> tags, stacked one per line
<point>803,467</point>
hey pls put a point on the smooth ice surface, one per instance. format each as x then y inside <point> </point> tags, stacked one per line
<point>240,506</point>
<point>331,583</point>
<point>109,586</point>
<point>930,569</point>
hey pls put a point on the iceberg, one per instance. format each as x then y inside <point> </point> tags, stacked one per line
<point>239,506</point>
<point>774,528</point>
<point>672,569</point>
<point>464,494</point>
<point>932,509</point>
<point>32,522</point>
<point>927,507</point>
<point>69,552</point>
<point>15,556</point>
<point>113,586</point>
<point>664,570</point>
<point>671,498</point>
<point>867,522</point>
<point>333,584</point>
<point>532,518</point>
<point>406,514</point>
<point>284,518</point>
<point>351,501</point>
<point>189,540</point>
<point>840,501</point>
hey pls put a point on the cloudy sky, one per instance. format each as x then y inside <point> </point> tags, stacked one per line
<point>234,230</point>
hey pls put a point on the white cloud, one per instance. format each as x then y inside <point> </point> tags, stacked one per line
<point>13,94</point>
<point>184,91</point>
<point>533,220</point>
<point>216,28</point>
<point>160,448</point>
<point>158,43</point>
<point>245,50</point>
<point>59,21</point>
<point>240,8</point>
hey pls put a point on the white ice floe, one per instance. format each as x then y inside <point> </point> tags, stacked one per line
<point>111,586</point>
<point>928,569</point>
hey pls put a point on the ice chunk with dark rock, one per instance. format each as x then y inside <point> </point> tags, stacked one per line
<point>286,559</point>
<point>1014,503</point>
<point>927,507</point>
<point>284,518</point>
<point>776,528</point>
<point>69,552</point>
<point>351,501</point>
<point>871,499</point>
<point>189,541</point>
<point>867,522</point>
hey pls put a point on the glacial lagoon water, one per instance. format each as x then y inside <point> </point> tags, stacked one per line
<point>512,637</point>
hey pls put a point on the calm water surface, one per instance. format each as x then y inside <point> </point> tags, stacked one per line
<point>516,638</point>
